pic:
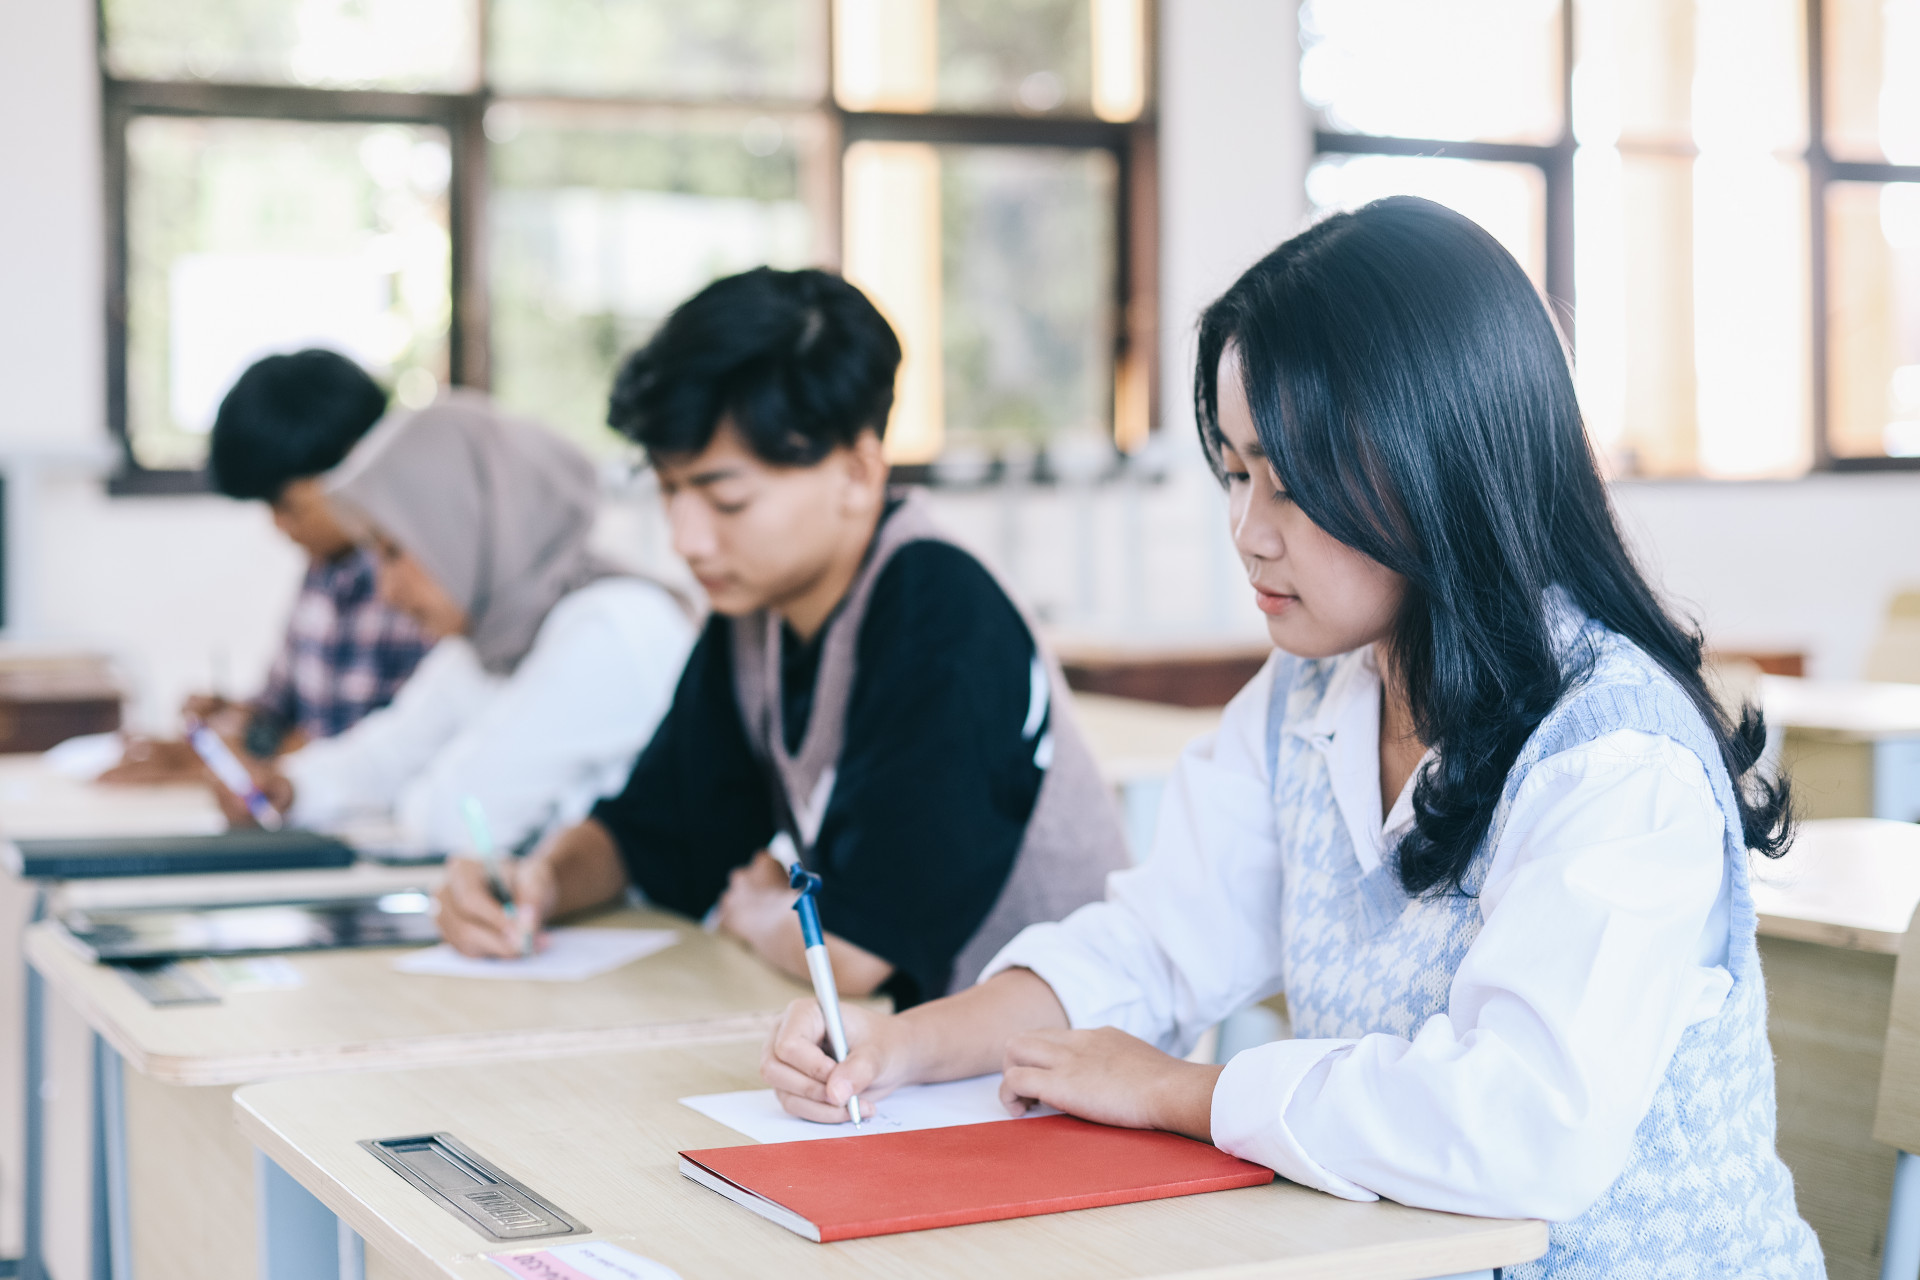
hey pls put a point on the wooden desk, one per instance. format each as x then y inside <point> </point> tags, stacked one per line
<point>1852,747</point>
<point>1135,741</point>
<point>1136,744</point>
<point>37,802</point>
<point>597,1137</point>
<point>192,1175</point>
<point>1832,914</point>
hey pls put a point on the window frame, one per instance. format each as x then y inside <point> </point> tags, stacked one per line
<point>1133,144</point>
<point>1555,162</point>
<point>1824,169</point>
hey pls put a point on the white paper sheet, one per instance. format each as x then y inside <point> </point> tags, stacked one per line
<point>572,955</point>
<point>757,1113</point>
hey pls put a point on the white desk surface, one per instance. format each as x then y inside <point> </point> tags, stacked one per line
<point>37,802</point>
<point>1133,740</point>
<point>597,1136</point>
<point>355,1012</point>
<point>1857,709</point>
<point>1851,883</point>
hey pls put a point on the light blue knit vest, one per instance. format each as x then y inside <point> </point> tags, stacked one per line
<point>1703,1193</point>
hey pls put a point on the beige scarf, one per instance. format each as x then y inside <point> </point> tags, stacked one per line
<point>497,510</point>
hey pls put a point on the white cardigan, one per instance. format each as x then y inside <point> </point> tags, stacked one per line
<point>535,748</point>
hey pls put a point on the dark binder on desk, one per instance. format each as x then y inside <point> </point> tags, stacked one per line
<point>880,1183</point>
<point>99,858</point>
<point>146,934</point>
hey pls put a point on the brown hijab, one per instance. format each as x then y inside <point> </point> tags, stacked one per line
<point>496,508</point>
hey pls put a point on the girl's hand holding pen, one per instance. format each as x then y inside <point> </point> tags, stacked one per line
<point>472,919</point>
<point>806,1079</point>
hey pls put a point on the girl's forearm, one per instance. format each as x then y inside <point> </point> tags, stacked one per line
<point>966,1034</point>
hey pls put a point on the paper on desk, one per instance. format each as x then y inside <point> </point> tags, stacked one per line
<point>572,955</point>
<point>586,1260</point>
<point>86,757</point>
<point>757,1113</point>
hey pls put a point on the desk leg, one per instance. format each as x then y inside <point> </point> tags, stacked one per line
<point>33,1115</point>
<point>300,1238</point>
<point>1901,1258</point>
<point>112,1240</point>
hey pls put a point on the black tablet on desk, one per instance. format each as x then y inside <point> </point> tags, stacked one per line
<point>98,858</point>
<point>128,934</point>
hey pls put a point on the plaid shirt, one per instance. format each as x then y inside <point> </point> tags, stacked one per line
<point>346,654</point>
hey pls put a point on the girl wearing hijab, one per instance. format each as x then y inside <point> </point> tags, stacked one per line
<point>550,667</point>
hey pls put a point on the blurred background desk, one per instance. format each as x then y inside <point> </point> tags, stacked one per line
<point>1832,916</point>
<point>1852,747</point>
<point>1136,744</point>
<point>36,801</point>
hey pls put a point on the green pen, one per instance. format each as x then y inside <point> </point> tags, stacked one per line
<point>490,858</point>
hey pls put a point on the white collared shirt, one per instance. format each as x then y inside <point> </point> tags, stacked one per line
<point>1605,936</point>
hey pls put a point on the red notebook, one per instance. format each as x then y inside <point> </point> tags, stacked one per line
<point>880,1183</point>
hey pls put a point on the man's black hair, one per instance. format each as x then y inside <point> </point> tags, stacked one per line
<point>799,361</point>
<point>289,417</point>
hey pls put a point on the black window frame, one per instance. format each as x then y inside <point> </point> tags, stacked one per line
<point>1554,160</point>
<point>1133,145</point>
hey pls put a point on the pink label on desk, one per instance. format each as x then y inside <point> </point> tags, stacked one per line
<point>589,1260</point>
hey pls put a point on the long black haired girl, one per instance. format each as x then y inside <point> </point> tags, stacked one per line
<point>1478,819</point>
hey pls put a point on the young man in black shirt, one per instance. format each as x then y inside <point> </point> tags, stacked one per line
<point>864,688</point>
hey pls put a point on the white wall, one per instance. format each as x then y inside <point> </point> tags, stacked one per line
<point>1797,565</point>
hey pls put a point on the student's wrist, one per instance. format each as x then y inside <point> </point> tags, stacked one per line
<point>1183,1100</point>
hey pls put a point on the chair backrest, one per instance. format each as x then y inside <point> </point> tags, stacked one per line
<point>1896,1121</point>
<point>1896,650</point>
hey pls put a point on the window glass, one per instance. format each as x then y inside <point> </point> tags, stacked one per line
<point>1633,276</point>
<point>247,237</point>
<point>601,222</point>
<point>1027,250</point>
<point>1872,49</point>
<point>1026,57</point>
<point>719,49</point>
<point>1749,76</point>
<point>1509,200</point>
<point>1873,319</point>
<point>1018,55</point>
<point>1633,73</point>
<point>1751,314</point>
<point>384,44</point>
<point>1480,69</point>
<point>996,266</point>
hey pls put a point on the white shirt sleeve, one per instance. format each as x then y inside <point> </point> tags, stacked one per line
<point>362,770</point>
<point>1605,936</point>
<point>540,746</point>
<point>1191,935</point>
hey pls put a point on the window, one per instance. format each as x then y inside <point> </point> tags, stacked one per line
<point>1720,198</point>
<point>511,194</point>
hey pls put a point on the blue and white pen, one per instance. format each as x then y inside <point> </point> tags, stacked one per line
<point>821,970</point>
<point>232,774</point>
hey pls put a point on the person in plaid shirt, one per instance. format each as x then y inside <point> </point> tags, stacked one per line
<point>287,420</point>
<point>345,654</point>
